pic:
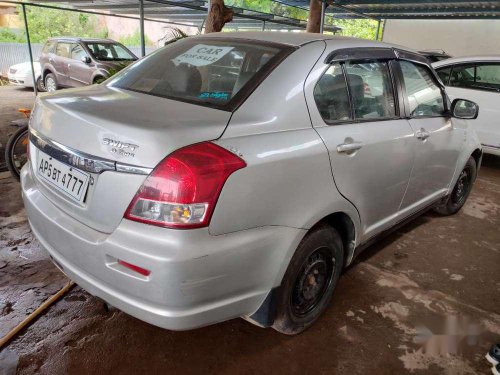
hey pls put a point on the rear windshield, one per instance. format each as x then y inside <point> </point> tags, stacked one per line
<point>209,72</point>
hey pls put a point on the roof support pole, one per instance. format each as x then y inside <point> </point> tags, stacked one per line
<point>323,11</point>
<point>378,31</point>
<point>141,23</point>
<point>263,25</point>
<point>35,89</point>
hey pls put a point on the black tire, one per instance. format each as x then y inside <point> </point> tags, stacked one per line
<point>455,201</point>
<point>319,256</point>
<point>13,156</point>
<point>40,85</point>
<point>98,80</point>
<point>51,84</point>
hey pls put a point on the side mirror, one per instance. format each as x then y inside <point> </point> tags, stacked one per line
<point>86,60</point>
<point>464,109</point>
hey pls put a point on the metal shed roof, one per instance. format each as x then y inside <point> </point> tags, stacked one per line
<point>185,12</point>
<point>408,9</point>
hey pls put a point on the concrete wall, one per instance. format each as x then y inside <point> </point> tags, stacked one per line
<point>456,37</point>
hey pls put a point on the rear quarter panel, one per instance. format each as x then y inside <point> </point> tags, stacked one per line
<point>288,179</point>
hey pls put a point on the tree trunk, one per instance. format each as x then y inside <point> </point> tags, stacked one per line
<point>314,20</point>
<point>218,16</point>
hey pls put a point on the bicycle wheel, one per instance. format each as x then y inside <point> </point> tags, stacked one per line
<point>16,153</point>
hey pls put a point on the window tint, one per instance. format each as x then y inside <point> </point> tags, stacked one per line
<point>488,76</point>
<point>424,95</point>
<point>444,74</point>
<point>370,86</point>
<point>331,96</point>
<point>63,49</point>
<point>210,72</point>
<point>77,52</point>
<point>109,52</point>
<point>462,76</point>
<point>48,47</point>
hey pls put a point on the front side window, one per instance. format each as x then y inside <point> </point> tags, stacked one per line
<point>444,74</point>
<point>208,72</point>
<point>331,95</point>
<point>371,90</point>
<point>488,76</point>
<point>462,76</point>
<point>424,95</point>
<point>63,49</point>
<point>110,52</point>
<point>77,52</point>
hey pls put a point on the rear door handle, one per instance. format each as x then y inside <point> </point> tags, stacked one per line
<point>422,134</point>
<point>349,147</point>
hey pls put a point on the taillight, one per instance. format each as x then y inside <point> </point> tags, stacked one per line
<point>183,189</point>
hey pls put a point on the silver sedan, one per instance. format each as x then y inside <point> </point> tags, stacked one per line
<point>236,174</point>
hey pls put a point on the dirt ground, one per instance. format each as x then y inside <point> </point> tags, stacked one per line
<point>425,300</point>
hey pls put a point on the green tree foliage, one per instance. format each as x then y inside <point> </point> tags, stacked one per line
<point>359,28</point>
<point>134,39</point>
<point>44,23</point>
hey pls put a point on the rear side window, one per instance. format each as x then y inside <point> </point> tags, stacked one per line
<point>63,49</point>
<point>48,47</point>
<point>210,72</point>
<point>424,95</point>
<point>370,86</point>
<point>331,95</point>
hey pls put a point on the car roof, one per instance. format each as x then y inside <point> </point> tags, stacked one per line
<point>298,39</point>
<point>79,39</point>
<point>467,59</point>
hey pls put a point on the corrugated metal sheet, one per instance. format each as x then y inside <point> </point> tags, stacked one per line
<point>15,53</point>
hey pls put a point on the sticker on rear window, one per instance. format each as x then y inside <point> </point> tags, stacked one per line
<point>202,54</point>
<point>219,95</point>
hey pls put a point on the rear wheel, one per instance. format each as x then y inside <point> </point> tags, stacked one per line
<point>461,190</point>
<point>309,281</point>
<point>39,84</point>
<point>50,83</point>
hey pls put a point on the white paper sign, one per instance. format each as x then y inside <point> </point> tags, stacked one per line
<point>202,54</point>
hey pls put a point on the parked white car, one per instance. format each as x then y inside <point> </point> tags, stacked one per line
<point>476,78</point>
<point>20,75</point>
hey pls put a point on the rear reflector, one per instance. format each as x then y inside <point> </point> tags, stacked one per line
<point>133,267</point>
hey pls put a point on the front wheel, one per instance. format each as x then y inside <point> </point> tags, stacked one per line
<point>461,190</point>
<point>309,281</point>
<point>16,151</point>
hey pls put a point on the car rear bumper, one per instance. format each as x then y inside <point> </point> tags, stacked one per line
<point>20,79</point>
<point>196,279</point>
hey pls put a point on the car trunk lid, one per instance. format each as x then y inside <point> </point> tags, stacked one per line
<point>130,132</point>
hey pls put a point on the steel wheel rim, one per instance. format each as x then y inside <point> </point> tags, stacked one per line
<point>313,280</point>
<point>50,85</point>
<point>462,187</point>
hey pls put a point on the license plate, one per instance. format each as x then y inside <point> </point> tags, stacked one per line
<point>68,180</point>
